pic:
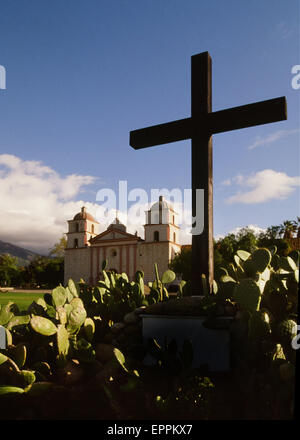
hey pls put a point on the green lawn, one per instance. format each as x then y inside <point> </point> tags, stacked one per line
<point>22,299</point>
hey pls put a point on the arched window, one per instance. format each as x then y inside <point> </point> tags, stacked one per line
<point>174,237</point>
<point>76,227</point>
<point>173,219</point>
<point>156,236</point>
<point>92,229</point>
<point>76,243</point>
<point>113,253</point>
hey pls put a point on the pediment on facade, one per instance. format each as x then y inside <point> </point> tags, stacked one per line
<point>114,235</point>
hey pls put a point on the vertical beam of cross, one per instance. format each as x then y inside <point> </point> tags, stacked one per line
<point>202,173</point>
<point>200,127</point>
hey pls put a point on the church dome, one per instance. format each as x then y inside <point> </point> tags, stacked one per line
<point>162,203</point>
<point>116,224</point>
<point>84,215</point>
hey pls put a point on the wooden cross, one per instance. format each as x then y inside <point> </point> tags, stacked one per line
<point>200,127</point>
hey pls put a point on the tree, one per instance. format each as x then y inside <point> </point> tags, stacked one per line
<point>297,224</point>
<point>182,263</point>
<point>266,240</point>
<point>227,248</point>
<point>288,228</point>
<point>45,272</point>
<point>58,249</point>
<point>246,240</point>
<point>271,233</point>
<point>10,272</point>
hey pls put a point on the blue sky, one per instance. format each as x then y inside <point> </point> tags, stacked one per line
<point>81,74</point>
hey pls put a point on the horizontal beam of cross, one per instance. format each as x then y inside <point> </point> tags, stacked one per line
<point>235,118</point>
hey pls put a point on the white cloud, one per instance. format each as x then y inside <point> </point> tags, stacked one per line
<point>36,202</point>
<point>234,180</point>
<point>265,185</point>
<point>271,138</point>
<point>254,228</point>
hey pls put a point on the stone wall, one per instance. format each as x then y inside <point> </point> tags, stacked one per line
<point>150,253</point>
<point>77,264</point>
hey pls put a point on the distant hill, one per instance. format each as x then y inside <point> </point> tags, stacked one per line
<point>24,255</point>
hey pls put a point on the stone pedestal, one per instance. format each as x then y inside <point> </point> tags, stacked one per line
<point>211,346</point>
<point>2,338</point>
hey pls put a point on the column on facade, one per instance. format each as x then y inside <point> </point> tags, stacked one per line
<point>134,258</point>
<point>85,235</point>
<point>120,261</point>
<point>98,262</point>
<point>91,265</point>
<point>127,260</point>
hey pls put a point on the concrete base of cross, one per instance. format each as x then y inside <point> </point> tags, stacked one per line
<point>211,345</point>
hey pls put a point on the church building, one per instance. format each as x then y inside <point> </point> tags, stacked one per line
<point>125,252</point>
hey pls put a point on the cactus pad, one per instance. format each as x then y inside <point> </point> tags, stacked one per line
<point>75,319</point>
<point>26,377</point>
<point>287,263</point>
<point>43,326</point>
<point>76,302</point>
<point>243,255</point>
<point>261,258</point>
<point>73,288</point>
<point>63,343</point>
<point>247,295</point>
<point>10,390</point>
<point>259,325</point>
<point>89,328</point>
<point>286,330</point>
<point>59,296</point>
<point>168,276</point>
<point>18,354</point>
<point>18,320</point>
<point>6,313</point>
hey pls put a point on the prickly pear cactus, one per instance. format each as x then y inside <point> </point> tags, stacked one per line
<point>89,328</point>
<point>6,313</point>
<point>10,390</point>
<point>261,258</point>
<point>59,296</point>
<point>75,319</point>
<point>85,351</point>
<point>63,343</point>
<point>18,354</point>
<point>243,255</point>
<point>250,268</point>
<point>168,276</point>
<point>62,315</point>
<point>286,330</point>
<point>259,325</point>
<point>18,320</point>
<point>26,378</point>
<point>287,264</point>
<point>247,294</point>
<point>43,326</point>
<point>73,289</point>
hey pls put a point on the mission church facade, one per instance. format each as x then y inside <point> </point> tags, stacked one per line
<point>125,252</point>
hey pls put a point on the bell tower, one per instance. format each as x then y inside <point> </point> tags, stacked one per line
<point>161,242</point>
<point>161,223</point>
<point>82,228</point>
